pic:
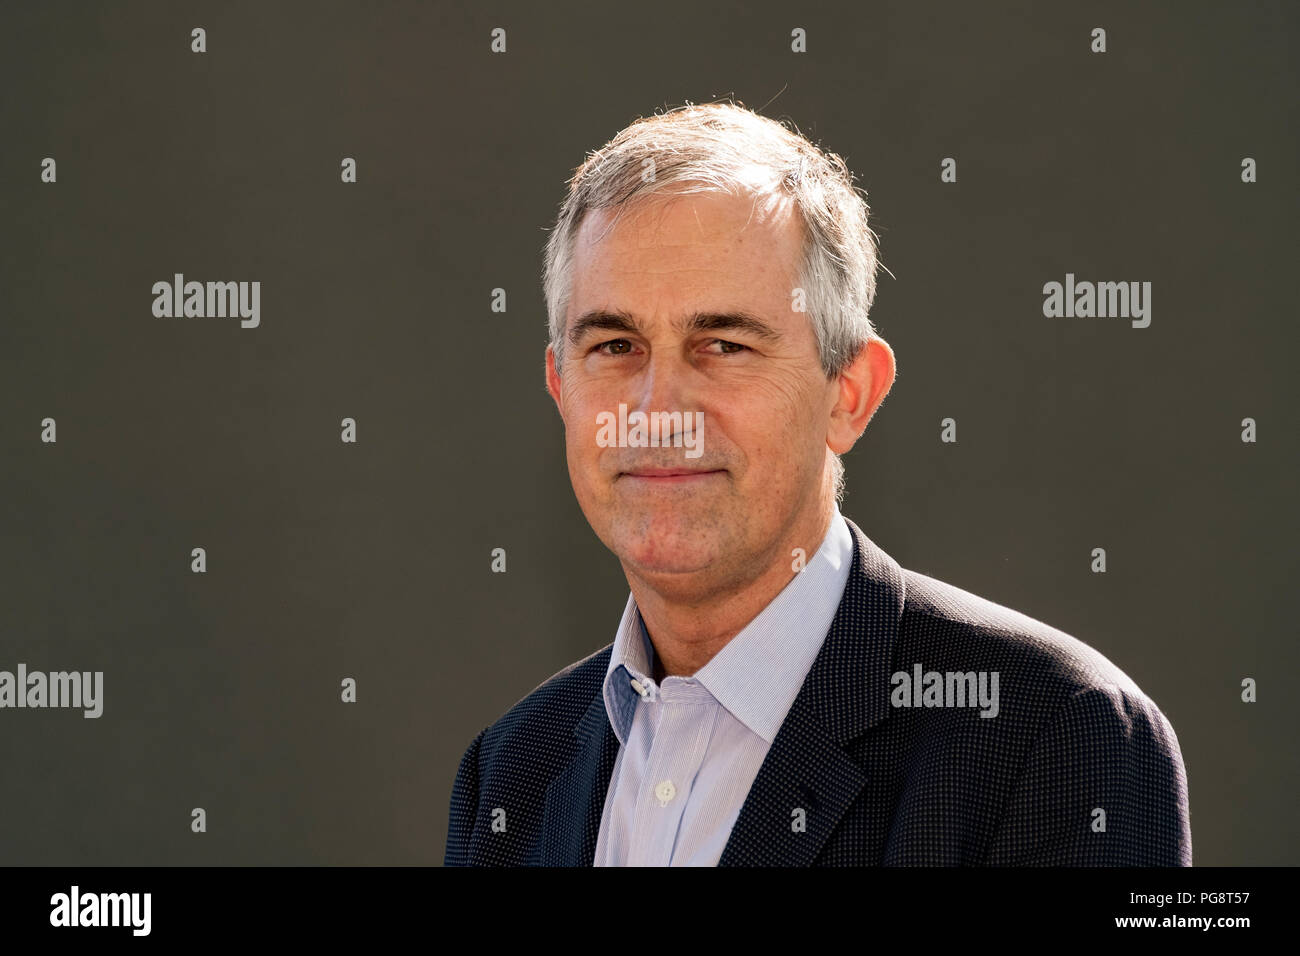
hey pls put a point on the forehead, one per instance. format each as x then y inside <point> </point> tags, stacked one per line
<point>706,249</point>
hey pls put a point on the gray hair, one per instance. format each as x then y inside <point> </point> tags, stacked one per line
<point>718,147</point>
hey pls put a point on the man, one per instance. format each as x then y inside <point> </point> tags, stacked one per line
<point>779,691</point>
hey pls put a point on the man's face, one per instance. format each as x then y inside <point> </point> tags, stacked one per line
<point>759,474</point>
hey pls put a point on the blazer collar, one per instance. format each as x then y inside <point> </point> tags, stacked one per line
<point>845,693</point>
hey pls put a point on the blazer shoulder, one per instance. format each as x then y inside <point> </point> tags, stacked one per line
<point>958,630</point>
<point>512,760</point>
<point>556,704</point>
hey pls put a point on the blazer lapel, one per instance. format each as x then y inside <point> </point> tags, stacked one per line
<point>845,693</point>
<point>575,800</point>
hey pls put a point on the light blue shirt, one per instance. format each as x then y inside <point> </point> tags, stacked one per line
<point>690,748</point>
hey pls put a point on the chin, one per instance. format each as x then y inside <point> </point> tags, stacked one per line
<point>667,544</point>
<point>657,563</point>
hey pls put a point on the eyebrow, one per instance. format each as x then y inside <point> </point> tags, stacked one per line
<point>621,321</point>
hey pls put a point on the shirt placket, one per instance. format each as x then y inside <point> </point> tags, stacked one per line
<point>681,724</point>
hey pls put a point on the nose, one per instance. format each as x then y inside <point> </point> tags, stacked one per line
<point>664,384</point>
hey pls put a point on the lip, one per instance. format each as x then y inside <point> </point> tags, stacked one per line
<point>670,475</point>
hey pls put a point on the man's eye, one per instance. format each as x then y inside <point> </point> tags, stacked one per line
<point>623,346</point>
<point>734,347</point>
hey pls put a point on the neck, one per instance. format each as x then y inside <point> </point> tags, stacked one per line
<point>688,625</point>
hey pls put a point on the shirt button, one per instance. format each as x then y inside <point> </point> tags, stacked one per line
<point>665,791</point>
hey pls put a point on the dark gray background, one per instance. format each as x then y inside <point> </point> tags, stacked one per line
<point>371,560</point>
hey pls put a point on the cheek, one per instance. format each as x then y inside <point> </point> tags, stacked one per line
<point>584,454</point>
<point>580,422</point>
<point>771,424</point>
<point>778,412</point>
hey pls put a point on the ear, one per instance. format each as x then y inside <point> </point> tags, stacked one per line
<point>862,387</point>
<point>553,380</point>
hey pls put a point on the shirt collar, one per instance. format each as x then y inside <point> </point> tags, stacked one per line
<point>757,674</point>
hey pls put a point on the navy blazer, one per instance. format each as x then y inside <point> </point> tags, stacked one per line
<point>1078,768</point>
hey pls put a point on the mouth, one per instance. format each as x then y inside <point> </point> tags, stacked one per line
<point>670,475</point>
